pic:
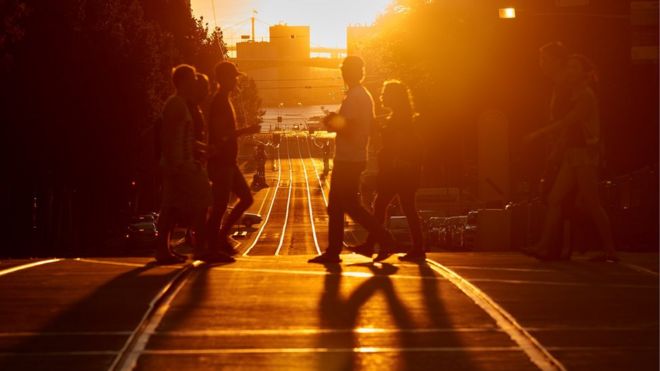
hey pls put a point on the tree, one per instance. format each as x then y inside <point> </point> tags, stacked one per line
<point>83,83</point>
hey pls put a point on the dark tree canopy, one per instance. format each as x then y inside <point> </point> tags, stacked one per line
<point>82,85</point>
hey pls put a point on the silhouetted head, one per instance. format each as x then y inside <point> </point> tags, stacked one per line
<point>352,70</point>
<point>201,88</point>
<point>183,77</point>
<point>579,69</point>
<point>226,74</point>
<point>552,58</point>
<point>396,97</point>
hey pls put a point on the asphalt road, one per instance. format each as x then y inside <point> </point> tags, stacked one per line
<point>272,311</point>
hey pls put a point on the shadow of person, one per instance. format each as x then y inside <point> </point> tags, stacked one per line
<point>439,318</point>
<point>115,306</point>
<point>194,297</point>
<point>338,316</point>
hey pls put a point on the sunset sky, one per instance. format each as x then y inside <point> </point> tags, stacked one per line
<point>327,18</point>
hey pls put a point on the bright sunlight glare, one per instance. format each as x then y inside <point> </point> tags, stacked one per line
<point>327,19</point>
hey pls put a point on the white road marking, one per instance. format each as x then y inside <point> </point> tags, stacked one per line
<point>326,350</point>
<point>570,284</point>
<point>309,199</point>
<point>539,355</point>
<point>326,273</point>
<point>187,352</point>
<point>64,333</point>
<point>124,264</point>
<point>501,269</point>
<point>640,269</point>
<point>27,266</point>
<point>270,208</point>
<point>288,201</point>
<point>263,202</point>
<point>60,354</point>
<point>318,331</point>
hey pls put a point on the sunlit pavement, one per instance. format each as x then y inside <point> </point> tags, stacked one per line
<point>273,310</point>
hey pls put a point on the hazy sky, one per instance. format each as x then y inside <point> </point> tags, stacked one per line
<point>327,18</point>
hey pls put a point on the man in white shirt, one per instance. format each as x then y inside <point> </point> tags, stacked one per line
<point>353,124</point>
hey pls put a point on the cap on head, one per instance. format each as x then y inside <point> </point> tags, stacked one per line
<point>226,70</point>
<point>182,73</point>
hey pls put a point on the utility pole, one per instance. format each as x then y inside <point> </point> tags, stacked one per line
<point>254,11</point>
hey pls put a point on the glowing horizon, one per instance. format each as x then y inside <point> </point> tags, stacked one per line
<point>327,19</point>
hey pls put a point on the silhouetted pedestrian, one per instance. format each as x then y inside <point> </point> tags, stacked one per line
<point>186,193</point>
<point>578,148</point>
<point>399,167</point>
<point>260,158</point>
<point>326,152</point>
<point>226,176</point>
<point>352,124</point>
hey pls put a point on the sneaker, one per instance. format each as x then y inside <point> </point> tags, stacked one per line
<point>413,257</point>
<point>383,254</point>
<point>364,249</point>
<point>325,258</point>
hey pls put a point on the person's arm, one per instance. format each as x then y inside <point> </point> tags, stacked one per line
<point>579,113</point>
<point>172,134</point>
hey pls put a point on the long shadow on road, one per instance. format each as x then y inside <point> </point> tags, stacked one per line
<point>338,313</point>
<point>85,335</point>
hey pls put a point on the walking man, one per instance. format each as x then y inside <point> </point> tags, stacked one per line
<point>352,125</point>
<point>186,193</point>
<point>224,172</point>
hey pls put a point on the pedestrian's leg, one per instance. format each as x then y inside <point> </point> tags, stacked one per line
<point>221,190</point>
<point>200,230</point>
<point>353,207</point>
<point>336,213</point>
<point>165,227</point>
<point>382,201</point>
<point>335,221</point>
<point>245,200</point>
<point>407,198</point>
<point>587,181</point>
<point>564,182</point>
<point>166,224</point>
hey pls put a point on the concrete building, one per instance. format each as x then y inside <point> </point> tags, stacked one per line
<point>284,71</point>
<point>287,43</point>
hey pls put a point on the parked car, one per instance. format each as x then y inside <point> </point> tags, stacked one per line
<point>436,232</point>
<point>470,230</point>
<point>455,232</point>
<point>141,231</point>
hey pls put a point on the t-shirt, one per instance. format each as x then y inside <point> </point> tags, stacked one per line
<point>222,128</point>
<point>177,134</point>
<point>583,122</point>
<point>358,110</point>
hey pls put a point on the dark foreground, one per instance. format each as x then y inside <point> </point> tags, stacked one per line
<point>494,311</point>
